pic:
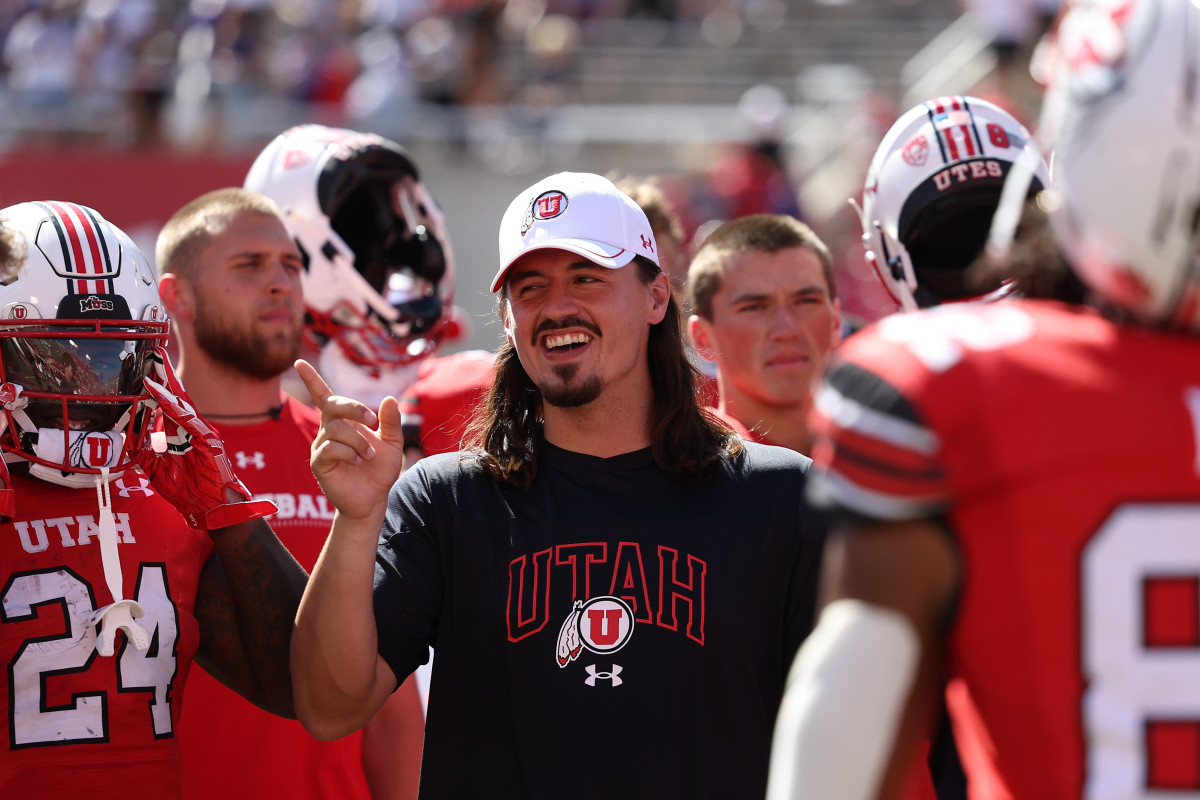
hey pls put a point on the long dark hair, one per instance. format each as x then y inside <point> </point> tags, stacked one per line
<point>687,442</point>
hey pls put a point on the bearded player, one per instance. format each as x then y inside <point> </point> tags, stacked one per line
<point>1049,560</point>
<point>128,552</point>
<point>230,277</point>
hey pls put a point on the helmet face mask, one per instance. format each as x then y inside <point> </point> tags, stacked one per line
<point>66,360</point>
<point>79,323</point>
<point>1122,114</point>
<point>378,267</point>
<point>931,192</point>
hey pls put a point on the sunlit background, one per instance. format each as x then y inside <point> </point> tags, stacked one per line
<point>735,106</point>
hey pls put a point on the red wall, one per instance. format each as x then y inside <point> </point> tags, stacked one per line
<point>135,190</point>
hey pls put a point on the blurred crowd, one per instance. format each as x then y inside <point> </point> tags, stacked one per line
<point>103,57</point>
<point>94,62</point>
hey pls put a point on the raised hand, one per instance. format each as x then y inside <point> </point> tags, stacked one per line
<point>357,454</point>
<point>194,473</point>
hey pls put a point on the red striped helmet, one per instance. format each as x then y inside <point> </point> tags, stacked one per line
<point>932,190</point>
<point>80,317</point>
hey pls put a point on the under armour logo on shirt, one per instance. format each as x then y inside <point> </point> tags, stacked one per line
<point>123,489</point>
<point>596,675</point>
<point>257,460</point>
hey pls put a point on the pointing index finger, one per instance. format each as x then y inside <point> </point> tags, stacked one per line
<point>318,389</point>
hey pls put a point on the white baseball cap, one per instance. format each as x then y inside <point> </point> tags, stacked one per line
<point>578,212</point>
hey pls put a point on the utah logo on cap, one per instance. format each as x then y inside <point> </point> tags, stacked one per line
<point>547,205</point>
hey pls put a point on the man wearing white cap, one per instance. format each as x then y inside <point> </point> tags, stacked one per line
<point>614,583</point>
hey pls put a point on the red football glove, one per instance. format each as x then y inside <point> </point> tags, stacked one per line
<point>194,472</point>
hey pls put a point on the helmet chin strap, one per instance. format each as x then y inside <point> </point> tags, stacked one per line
<point>121,613</point>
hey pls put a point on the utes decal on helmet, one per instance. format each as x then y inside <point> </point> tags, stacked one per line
<point>602,625</point>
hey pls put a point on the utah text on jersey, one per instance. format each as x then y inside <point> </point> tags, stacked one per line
<point>37,534</point>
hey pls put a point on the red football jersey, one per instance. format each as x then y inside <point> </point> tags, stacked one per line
<point>447,390</point>
<point>80,724</point>
<point>231,748</point>
<point>1063,451</point>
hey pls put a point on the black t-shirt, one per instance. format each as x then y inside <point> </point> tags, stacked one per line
<point>610,633</point>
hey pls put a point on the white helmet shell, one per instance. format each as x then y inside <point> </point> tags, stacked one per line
<point>1122,114</point>
<point>379,271</point>
<point>932,190</point>
<point>80,317</point>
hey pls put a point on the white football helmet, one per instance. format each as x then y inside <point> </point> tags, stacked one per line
<point>379,273</point>
<point>1122,115</point>
<point>80,317</point>
<point>932,191</point>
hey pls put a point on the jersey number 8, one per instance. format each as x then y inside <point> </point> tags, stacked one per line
<point>1141,653</point>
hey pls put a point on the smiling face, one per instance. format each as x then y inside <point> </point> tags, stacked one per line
<point>773,325</point>
<point>580,329</point>
<point>248,308</point>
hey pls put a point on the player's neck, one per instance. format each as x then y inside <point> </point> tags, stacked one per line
<point>227,397</point>
<point>786,426</point>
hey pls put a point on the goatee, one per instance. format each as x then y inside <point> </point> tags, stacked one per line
<point>562,394</point>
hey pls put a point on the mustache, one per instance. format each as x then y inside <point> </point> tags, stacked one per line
<point>565,322</point>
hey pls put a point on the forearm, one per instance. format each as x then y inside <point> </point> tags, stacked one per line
<point>265,584</point>
<point>837,725</point>
<point>340,680</point>
<point>392,743</point>
<point>859,692</point>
